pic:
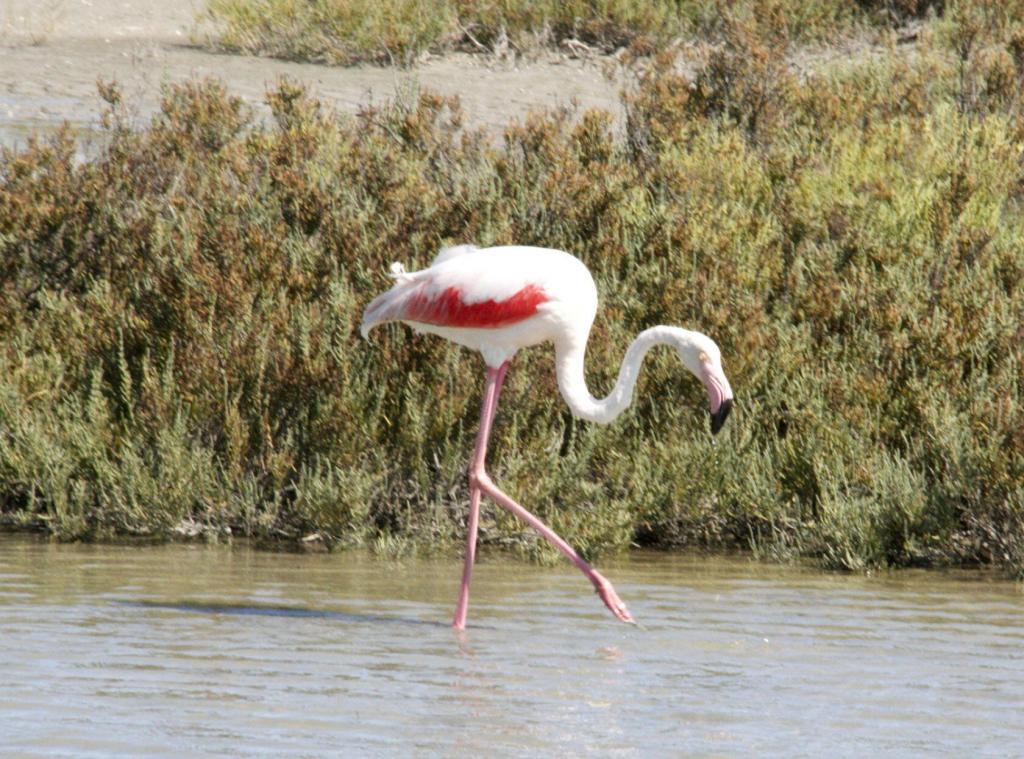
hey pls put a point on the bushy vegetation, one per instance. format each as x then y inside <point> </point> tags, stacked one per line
<point>180,314</point>
<point>400,31</point>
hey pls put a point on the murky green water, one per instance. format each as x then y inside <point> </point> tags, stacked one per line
<point>191,650</point>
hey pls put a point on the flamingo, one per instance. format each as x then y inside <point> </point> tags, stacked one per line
<point>500,299</point>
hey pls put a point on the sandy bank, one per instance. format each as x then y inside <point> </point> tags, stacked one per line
<point>53,51</point>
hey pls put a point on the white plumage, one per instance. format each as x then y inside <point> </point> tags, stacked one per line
<point>483,276</point>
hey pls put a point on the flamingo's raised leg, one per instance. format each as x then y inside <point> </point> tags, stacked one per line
<point>480,482</point>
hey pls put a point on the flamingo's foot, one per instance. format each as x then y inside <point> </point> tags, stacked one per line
<point>611,599</point>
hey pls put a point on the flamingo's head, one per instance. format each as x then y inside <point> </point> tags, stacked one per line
<point>701,356</point>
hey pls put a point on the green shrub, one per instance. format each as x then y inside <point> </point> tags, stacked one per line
<point>346,32</point>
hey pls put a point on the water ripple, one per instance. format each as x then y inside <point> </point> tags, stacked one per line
<point>187,650</point>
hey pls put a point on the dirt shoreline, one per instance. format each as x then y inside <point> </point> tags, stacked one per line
<point>52,52</point>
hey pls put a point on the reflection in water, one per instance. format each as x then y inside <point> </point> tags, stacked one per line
<point>277,611</point>
<point>181,649</point>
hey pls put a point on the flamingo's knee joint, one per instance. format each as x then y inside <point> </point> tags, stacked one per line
<point>478,477</point>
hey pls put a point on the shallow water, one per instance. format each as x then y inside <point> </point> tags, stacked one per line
<point>194,650</point>
<point>24,118</point>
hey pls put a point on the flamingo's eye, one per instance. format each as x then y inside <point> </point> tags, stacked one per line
<point>704,358</point>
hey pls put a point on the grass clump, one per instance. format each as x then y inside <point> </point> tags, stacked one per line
<point>179,315</point>
<point>345,32</point>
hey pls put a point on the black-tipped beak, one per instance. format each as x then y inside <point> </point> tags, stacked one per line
<point>718,418</point>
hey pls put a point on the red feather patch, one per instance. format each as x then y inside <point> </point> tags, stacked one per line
<point>448,310</point>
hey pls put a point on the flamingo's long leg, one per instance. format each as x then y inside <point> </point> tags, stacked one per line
<point>492,389</point>
<point>480,482</point>
<point>601,585</point>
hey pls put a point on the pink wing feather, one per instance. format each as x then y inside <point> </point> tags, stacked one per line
<point>445,296</point>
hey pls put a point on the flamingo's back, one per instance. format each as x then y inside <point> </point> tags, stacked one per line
<point>463,288</point>
<point>510,296</point>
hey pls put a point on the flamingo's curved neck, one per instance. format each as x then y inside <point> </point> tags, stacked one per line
<point>569,354</point>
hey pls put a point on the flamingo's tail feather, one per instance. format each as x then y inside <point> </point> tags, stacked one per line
<point>398,273</point>
<point>388,306</point>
